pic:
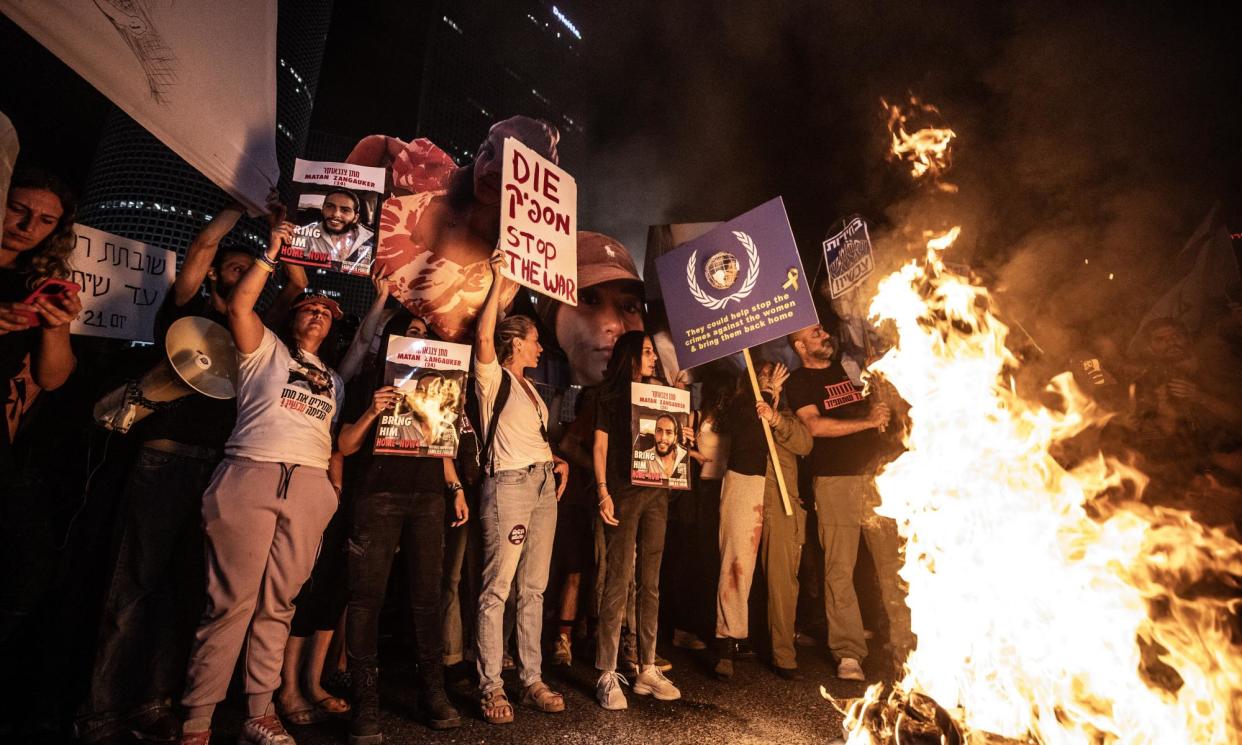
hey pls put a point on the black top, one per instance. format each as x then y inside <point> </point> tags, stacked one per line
<point>834,396</point>
<point>373,473</point>
<point>14,347</point>
<point>194,419</point>
<point>748,449</point>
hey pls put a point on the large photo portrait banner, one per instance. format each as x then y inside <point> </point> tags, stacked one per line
<point>658,416</point>
<point>431,376</point>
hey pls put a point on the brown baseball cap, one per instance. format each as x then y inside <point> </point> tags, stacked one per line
<point>601,259</point>
<point>314,298</point>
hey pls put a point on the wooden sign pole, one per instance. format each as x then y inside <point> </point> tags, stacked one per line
<point>767,435</point>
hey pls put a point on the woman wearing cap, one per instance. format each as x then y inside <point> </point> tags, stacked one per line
<point>517,508</point>
<point>267,505</point>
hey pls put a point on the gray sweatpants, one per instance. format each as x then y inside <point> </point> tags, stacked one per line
<point>263,524</point>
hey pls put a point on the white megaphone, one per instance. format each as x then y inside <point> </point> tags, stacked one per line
<point>200,358</point>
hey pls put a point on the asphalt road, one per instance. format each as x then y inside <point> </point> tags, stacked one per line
<point>754,707</point>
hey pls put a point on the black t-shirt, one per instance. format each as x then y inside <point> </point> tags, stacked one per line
<point>372,473</point>
<point>748,448</point>
<point>612,415</point>
<point>834,396</point>
<point>194,419</point>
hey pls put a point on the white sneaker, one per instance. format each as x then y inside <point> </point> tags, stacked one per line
<point>652,682</point>
<point>608,691</point>
<point>686,640</point>
<point>264,730</point>
<point>850,669</point>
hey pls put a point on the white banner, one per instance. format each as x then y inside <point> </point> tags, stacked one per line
<point>123,284</point>
<point>539,223</point>
<point>199,75</point>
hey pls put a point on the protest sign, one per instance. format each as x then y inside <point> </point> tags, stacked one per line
<point>848,257</point>
<point>200,76</point>
<point>336,216</point>
<point>431,375</point>
<point>538,223</point>
<point>735,287</point>
<point>123,283</point>
<point>657,415</point>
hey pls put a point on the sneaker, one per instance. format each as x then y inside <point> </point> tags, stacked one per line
<point>264,730</point>
<point>652,682</point>
<point>562,651</point>
<point>687,640</point>
<point>850,669</point>
<point>787,673</point>
<point>155,723</point>
<point>608,691</point>
<point>724,658</point>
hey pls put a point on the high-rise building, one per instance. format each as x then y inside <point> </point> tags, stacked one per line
<point>140,189</point>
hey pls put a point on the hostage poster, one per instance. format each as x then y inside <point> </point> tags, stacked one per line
<point>431,375</point>
<point>337,216</point>
<point>658,415</point>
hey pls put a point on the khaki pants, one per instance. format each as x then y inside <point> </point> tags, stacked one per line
<point>263,525</point>
<point>846,507</point>
<point>783,537</point>
<point>741,526</point>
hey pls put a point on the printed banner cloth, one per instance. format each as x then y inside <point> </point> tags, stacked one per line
<point>200,76</point>
<point>659,455</point>
<point>123,283</point>
<point>735,287</point>
<point>431,375</point>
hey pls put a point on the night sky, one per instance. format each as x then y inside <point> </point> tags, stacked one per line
<point>1085,131</point>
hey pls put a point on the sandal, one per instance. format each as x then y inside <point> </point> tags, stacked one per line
<point>543,698</point>
<point>496,707</point>
<point>333,706</point>
<point>301,717</point>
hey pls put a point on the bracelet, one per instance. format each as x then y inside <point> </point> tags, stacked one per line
<point>453,487</point>
<point>265,265</point>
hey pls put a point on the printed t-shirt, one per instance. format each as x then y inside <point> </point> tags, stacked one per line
<point>834,396</point>
<point>518,442</point>
<point>194,419</point>
<point>285,409</point>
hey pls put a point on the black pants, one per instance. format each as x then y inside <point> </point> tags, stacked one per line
<point>323,597</point>
<point>382,521</point>
<point>157,591</point>
<point>692,564</point>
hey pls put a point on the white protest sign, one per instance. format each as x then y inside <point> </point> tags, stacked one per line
<point>848,257</point>
<point>123,284</point>
<point>539,223</point>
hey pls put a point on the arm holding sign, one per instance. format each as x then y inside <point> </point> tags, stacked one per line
<point>485,328</point>
<point>202,252</point>
<point>354,434</point>
<point>370,327</point>
<point>246,325</point>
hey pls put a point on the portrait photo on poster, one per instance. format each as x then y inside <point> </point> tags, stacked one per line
<point>431,377</point>
<point>337,216</point>
<point>660,454</point>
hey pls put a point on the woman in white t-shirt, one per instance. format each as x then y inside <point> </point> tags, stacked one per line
<point>517,507</point>
<point>268,503</point>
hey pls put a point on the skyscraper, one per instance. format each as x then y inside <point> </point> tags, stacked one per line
<point>140,189</point>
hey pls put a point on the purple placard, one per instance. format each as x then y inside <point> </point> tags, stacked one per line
<point>736,287</point>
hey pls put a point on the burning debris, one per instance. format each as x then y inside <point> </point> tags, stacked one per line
<point>1045,612</point>
<point>927,150</point>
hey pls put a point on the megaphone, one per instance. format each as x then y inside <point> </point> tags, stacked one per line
<point>200,358</point>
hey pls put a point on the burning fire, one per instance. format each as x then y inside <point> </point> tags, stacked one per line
<point>927,150</point>
<point>1043,613</point>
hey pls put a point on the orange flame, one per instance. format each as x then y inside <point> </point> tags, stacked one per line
<point>1040,611</point>
<point>927,150</point>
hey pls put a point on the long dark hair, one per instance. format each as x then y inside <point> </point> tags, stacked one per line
<point>624,366</point>
<point>51,257</point>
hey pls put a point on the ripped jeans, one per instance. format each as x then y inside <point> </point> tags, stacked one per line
<point>382,522</point>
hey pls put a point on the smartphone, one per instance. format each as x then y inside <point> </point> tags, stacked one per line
<point>48,288</point>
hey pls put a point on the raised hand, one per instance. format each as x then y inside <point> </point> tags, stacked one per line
<point>384,399</point>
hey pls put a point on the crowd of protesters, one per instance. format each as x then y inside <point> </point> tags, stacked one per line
<point>254,532</point>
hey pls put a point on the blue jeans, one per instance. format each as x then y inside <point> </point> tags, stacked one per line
<point>517,515</point>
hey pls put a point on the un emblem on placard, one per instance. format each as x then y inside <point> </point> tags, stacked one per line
<point>721,272</point>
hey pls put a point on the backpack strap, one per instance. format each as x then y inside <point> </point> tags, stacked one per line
<point>498,406</point>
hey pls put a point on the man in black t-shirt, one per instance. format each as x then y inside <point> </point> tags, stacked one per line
<point>157,593</point>
<point>846,428</point>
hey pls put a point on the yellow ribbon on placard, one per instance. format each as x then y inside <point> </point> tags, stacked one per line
<point>791,279</point>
